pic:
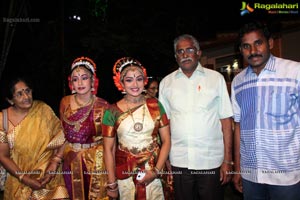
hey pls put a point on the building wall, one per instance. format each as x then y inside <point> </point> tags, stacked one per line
<point>217,58</point>
<point>286,46</point>
<point>290,45</point>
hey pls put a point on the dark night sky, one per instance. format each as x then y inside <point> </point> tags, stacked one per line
<point>142,29</point>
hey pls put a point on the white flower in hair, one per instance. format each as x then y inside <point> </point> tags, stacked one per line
<point>123,62</point>
<point>85,63</point>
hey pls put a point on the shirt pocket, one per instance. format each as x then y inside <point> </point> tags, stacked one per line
<point>206,100</point>
<point>282,104</point>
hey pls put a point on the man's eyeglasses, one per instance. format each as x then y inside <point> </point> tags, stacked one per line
<point>187,51</point>
<point>26,91</point>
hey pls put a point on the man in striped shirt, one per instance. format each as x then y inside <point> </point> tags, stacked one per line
<point>266,105</point>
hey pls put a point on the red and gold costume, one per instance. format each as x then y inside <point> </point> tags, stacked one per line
<point>137,150</point>
<point>83,165</point>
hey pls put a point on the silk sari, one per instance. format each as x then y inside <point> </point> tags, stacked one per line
<point>84,168</point>
<point>32,143</point>
<point>138,147</point>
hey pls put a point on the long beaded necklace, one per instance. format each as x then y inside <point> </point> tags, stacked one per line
<point>77,124</point>
<point>138,126</point>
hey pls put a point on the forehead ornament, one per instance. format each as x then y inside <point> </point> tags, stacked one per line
<point>121,64</point>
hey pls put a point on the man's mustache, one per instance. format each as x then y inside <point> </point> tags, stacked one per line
<point>254,55</point>
<point>186,59</point>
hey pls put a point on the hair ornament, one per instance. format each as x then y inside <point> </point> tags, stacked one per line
<point>121,64</point>
<point>124,62</point>
<point>86,62</point>
<point>90,65</point>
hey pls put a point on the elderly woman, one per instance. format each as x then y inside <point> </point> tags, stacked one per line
<point>30,146</point>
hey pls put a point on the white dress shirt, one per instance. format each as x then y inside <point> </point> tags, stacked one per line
<point>195,106</point>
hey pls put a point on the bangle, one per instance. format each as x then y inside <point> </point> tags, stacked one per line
<point>112,184</point>
<point>112,190</point>
<point>21,177</point>
<point>157,172</point>
<point>228,162</point>
<point>58,156</point>
<point>57,159</point>
<point>112,187</point>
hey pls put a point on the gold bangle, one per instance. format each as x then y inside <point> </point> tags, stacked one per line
<point>21,177</point>
<point>228,162</point>
<point>59,156</point>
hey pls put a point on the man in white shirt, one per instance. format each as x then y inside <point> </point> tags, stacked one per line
<point>197,103</point>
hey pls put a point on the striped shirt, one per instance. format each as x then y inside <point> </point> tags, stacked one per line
<point>267,107</point>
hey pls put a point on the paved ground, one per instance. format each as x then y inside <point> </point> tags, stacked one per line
<point>230,194</point>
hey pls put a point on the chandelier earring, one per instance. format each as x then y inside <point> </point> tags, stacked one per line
<point>73,91</point>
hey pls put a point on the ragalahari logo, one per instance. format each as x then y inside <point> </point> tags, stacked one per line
<point>246,9</point>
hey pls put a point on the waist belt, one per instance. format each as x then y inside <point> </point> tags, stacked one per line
<point>84,146</point>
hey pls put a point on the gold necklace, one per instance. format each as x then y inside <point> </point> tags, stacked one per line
<point>135,100</point>
<point>82,104</point>
<point>77,124</point>
<point>138,126</point>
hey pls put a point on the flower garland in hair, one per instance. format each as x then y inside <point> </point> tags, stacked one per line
<point>119,66</point>
<point>88,64</point>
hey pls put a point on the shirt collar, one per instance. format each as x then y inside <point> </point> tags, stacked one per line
<point>270,65</point>
<point>199,69</point>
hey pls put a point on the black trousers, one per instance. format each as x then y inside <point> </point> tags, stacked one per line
<point>197,184</point>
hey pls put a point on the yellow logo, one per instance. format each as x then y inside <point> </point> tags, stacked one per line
<point>246,9</point>
<point>271,8</point>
